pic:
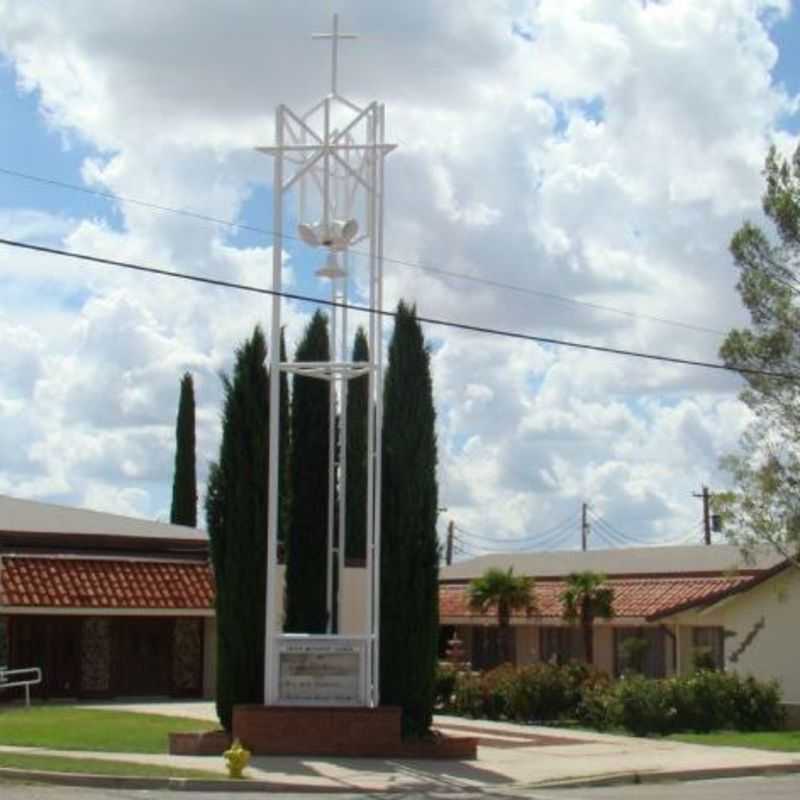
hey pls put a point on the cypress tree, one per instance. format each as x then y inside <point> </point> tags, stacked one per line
<point>306,563</point>
<point>184,482</point>
<point>284,452</point>
<point>409,548</point>
<point>356,491</point>
<point>236,515</point>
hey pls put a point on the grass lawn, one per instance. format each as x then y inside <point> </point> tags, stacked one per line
<point>96,766</point>
<point>70,728</point>
<point>788,741</point>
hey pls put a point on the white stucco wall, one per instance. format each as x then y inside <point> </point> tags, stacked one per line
<point>768,615</point>
<point>760,627</point>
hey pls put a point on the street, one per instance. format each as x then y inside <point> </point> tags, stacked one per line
<point>778,788</point>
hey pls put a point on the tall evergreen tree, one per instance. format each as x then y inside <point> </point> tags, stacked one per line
<point>357,405</point>
<point>284,452</point>
<point>409,548</point>
<point>236,515</point>
<point>184,482</point>
<point>306,563</point>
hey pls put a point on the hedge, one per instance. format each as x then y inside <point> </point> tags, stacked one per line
<point>704,701</point>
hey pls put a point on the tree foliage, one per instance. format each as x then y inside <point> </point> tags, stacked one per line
<point>409,601</point>
<point>507,593</point>
<point>586,598</point>
<point>306,564</point>
<point>356,492</point>
<point>764,508</point>
<point>236,515</point>
<point>184,482</point>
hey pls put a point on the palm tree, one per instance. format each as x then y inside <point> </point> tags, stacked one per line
<point>508,593</point>
<point>585,599</point>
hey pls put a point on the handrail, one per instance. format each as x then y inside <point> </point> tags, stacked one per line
<point>6,673</point>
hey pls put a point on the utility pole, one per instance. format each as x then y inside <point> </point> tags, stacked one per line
<point>706,497</point>
<point>584,527</point>
<point>448,557</point>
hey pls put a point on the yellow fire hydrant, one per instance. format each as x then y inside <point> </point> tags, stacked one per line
<point>236,758</point>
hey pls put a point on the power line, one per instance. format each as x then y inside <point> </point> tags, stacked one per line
<point>401,262</point>
<point>687,362</point>
<point>609,533</point>
<point>557,538</point>
<point>544,534</point>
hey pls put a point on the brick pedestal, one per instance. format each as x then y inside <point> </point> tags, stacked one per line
<point>319,731</point>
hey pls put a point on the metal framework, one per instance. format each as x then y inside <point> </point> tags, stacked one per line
<point>332,158</point>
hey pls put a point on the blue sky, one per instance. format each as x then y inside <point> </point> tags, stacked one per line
<point>524,160</point>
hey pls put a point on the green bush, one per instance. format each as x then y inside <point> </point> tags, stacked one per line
<point>534,693</point>
<point>644,705</point>
<point>757,706</point>
<point>445,685</point>
<point>704,701</point>
<point>467,695</point>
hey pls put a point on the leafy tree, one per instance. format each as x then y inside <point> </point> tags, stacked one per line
<point>306,564</point>
<point>765,507</point>
<point>357,406</point>
<point>507,593</point>
<point>409,602</point>
<point>184,482</point>
<point>586,598</point>
<point>236,515</point>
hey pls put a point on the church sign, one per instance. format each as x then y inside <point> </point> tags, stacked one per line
<point>321,670</point>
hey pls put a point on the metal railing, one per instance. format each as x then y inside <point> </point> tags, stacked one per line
<point>6,682</point>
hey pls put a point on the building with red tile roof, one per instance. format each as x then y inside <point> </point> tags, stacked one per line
<point>683,602</point>
<point>105,605</point>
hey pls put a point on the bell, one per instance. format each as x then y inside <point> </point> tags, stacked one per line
<point>331,269</point>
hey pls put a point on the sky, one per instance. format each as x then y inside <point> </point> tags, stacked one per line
<point>597,155</point>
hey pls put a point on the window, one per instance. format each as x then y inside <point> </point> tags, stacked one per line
<point>486,647</point>
<point>639,650</point>
<point>708,648</point>
<point>560,644</point>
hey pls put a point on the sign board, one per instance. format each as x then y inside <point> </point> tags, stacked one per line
<point>321,670</point>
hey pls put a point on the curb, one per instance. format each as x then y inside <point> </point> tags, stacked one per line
<point>670,776</point>
<point>88,780</point>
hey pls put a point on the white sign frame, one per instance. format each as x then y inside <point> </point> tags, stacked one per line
<point>322,643</point>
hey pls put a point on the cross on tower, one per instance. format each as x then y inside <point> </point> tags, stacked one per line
<point>335,36</point>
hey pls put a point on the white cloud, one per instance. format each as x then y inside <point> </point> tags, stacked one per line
<point>609,159</point>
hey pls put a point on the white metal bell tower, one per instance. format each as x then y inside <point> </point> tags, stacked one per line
<point>332,158</point>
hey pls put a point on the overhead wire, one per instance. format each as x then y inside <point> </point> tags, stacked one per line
<point>520,546</point>
<point>387,259</point>
<point>463,326</point>
<point>543,534</point>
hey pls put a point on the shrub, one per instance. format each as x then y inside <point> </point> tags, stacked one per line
<point>703,700</point>
<point>757,706</point>
<point>445,683</point>
<point>598,707</point>
<point>497,687</point>
<point>467,695</point>
<point>644,706</point>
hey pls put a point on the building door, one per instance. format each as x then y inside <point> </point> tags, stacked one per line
<point>54,645</point>
<point>142,657</point>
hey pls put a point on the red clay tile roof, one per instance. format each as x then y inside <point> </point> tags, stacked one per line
<point>633,597</point>
<point>100,583</point>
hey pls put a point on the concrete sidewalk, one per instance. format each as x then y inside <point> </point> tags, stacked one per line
<point>510,757</point>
